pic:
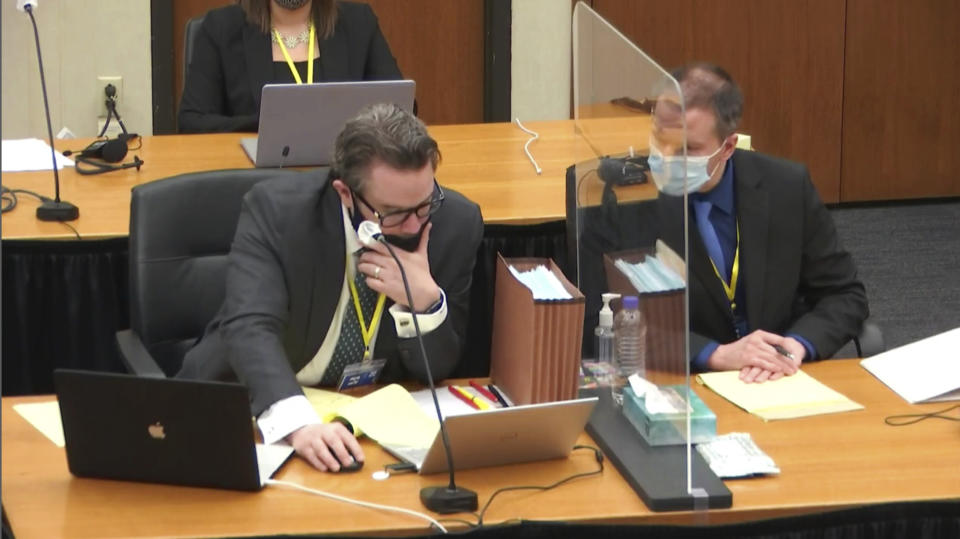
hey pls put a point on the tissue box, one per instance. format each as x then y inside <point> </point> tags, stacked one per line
<point>669,428</point>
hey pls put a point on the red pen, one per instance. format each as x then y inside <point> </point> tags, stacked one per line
<point>484,391</point>
<point>464,398</point>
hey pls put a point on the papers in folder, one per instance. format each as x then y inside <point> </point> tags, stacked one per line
<point>924,371</point>
<point>799,395</point>
<point>542,282</point>
<point>650,275</point>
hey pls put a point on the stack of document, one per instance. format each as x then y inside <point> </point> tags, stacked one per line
<point>651,275</point>
<point>542,282</point>
<point>798,395</point>
<point>925,371</point>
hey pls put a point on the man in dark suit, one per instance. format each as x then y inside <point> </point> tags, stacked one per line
<point>770,285</point>
<point>304,302</point>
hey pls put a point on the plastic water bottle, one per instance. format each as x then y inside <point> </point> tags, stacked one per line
<point>630,336</point>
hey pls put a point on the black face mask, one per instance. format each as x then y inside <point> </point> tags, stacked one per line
<point>291,4</point>
<point>405,242</point>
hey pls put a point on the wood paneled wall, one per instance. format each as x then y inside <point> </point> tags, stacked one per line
<point>438,43</point>
<point>787,57</point>
<point>901,102</point>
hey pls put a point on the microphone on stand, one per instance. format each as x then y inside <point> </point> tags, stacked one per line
<point>56,209</point>
<point>451,498</point>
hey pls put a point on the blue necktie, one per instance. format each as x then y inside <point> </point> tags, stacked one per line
<point>702,210</point>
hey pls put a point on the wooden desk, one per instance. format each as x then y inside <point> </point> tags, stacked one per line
<point>485,162</point>
<point>827,462</point>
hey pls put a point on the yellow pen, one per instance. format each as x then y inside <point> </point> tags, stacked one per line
<point>479,403</point>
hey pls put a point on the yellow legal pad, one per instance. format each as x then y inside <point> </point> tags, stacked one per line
<point>389,415</point>
<point>799,395</point>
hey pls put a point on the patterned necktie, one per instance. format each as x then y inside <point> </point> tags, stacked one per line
<point>350,345</point>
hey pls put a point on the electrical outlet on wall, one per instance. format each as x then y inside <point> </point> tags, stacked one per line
<point>113,130</point>
<point>102,82</point>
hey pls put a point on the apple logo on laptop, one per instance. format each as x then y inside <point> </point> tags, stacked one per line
<point>156,431</point>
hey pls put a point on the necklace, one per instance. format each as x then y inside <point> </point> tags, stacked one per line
<point>294,40</point>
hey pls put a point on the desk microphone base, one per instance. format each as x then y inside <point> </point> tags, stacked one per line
<point>445,500</point>
<point>57,211</point>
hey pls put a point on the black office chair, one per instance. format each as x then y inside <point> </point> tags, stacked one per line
<point>181,229</point>
<point>870,340</point>
<point>189,38</point>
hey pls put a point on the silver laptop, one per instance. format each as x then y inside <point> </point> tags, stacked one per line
<point>160,430</point>
<point>300,122</point>
<point>503,436</point>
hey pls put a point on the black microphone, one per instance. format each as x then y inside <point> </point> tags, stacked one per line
<point>623,171</point>
<point>56,209</point>
<point>283,155</point>
<point>444,500</point>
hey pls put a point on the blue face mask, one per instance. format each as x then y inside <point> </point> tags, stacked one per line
<point>667,171</point>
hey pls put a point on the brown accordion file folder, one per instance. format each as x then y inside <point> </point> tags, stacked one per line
<point>662,312</point>
<point>535,353</point>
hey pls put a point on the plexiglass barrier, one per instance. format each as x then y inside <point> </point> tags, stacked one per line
<point>631,236</point>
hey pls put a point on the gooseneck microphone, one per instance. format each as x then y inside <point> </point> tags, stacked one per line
<point>56,209</point>
<point>451,498</point>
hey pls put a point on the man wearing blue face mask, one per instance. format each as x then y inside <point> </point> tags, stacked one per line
<point>770,284</point>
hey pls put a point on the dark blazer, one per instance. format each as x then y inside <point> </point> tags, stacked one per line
<point>286,269</point>
<point>233,60</point>
<point>797,276</point>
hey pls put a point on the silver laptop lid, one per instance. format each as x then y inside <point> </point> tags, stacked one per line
<point>303,120</point>
<point>510,435</point>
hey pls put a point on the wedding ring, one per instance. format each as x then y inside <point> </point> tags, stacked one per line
<point>376,272</point>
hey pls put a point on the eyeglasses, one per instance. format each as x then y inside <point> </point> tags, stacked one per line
<point>397,217</point>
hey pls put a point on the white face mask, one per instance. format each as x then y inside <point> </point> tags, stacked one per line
<point>667,171</point>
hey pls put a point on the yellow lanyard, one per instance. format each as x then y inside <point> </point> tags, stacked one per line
<point>731,289</point>
<point>286,56</point>
<point>365,331</point>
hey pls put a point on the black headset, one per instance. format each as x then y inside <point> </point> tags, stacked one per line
<point>100,153</point>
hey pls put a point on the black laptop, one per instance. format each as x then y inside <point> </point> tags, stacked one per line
<point>161,430</point>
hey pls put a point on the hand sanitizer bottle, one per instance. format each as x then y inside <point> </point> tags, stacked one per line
<point>604,342</point>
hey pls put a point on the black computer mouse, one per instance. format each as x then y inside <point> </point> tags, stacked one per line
<point>352,467</point>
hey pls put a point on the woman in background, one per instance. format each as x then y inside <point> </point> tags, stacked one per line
<point>240,48</point>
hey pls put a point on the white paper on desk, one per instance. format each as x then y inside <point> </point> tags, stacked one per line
<point>924,371</point>
<point>45,417</point>
<point>270,458</point>
<point>22,155</point>
<point>449,405</point>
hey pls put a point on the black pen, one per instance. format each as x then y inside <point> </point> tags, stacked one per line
<point>496,393</point>
<point>783,352</point>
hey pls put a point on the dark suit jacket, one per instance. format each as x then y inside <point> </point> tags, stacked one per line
<point>286,269</point>
<point>797,276</point>
<point>233,60</point>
